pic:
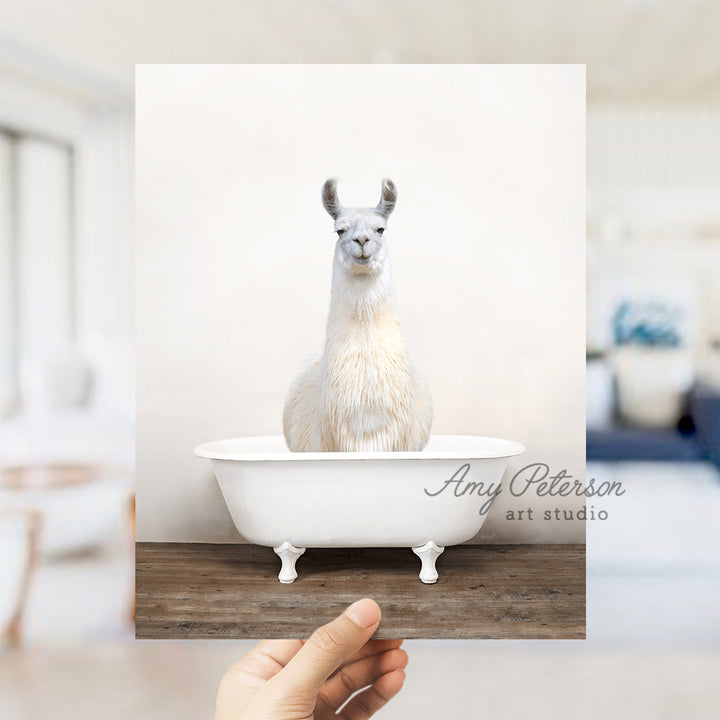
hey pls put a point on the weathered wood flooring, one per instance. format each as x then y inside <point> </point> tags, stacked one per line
<point>188,590</point>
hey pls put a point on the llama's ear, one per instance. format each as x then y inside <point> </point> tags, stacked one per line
<point>330,198</point>
<point>388,197</point>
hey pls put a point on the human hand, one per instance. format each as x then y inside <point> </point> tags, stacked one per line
<point>312,679</point>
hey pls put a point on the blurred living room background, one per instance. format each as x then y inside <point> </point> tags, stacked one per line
<point>66,349</point>
<point>653,368</point>
<point>66,343</point>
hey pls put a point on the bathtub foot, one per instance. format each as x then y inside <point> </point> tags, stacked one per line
<point>428,554</point>
<point>288,554</point>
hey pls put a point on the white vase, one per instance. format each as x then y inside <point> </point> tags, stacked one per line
<point>652,383</point>
<point>710,369</point>
<point>599,394</point>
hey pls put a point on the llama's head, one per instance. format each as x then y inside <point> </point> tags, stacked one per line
<point>361,243</point>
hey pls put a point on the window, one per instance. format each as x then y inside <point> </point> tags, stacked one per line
<point>37,259</point>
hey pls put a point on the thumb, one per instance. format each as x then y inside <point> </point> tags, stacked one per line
<point>327,649</point>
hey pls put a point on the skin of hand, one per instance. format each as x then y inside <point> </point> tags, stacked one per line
<point>312,679</point>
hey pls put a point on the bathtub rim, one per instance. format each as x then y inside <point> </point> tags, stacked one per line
<point>217,450</point>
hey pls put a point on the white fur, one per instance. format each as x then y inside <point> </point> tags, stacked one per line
<point>359,392</point>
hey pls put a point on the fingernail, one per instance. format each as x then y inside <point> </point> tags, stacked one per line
<point>364,612</point>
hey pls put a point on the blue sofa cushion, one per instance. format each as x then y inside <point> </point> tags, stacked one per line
<point>704,406</point>
<point>625,444</point>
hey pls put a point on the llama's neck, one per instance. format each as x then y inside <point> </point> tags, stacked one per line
<point>361,301</point>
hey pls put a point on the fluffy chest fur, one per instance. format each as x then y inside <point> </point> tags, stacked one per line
<point>366,374</point>
<point>360,392</point>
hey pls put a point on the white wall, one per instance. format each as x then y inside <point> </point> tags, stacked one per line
<point>234,251</point>
<point>653,212</point>
<point>105,257</point>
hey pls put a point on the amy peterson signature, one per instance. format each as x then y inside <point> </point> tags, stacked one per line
<point>535,476</point>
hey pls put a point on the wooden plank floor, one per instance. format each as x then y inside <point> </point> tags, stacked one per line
<point>189,590</point>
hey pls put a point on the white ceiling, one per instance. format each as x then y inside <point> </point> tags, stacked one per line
<point>636,50</point>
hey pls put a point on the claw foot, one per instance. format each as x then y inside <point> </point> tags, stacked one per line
<point>288,554</point>
<point>428,554</point>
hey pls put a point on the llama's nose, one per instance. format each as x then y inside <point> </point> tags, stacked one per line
<point>360,239</point>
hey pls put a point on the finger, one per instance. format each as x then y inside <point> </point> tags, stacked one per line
<point>281,651</point>
<point>365,704</point>
<point>327,649</point>
<point>374,647</point>
<point>384,644</point>
<point>264,661</point>
<point>358,675</point>
<point>371,647</point>
<point>251,672</point>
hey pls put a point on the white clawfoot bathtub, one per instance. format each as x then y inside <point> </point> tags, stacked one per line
<point>424,500</point>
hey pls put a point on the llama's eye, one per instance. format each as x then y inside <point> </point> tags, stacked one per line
<point>339,232</point>
<point>380,231</point>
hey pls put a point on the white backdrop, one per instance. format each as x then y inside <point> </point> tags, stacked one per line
<point>234,253</point>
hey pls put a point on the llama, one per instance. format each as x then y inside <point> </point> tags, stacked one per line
<point>359,392</point>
